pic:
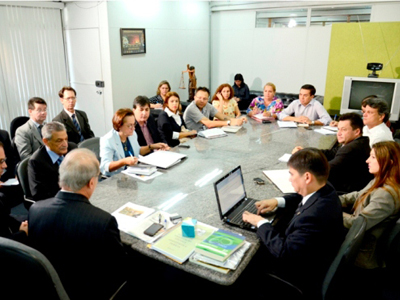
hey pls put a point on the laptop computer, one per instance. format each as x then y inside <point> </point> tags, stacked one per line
<point>232,200</point>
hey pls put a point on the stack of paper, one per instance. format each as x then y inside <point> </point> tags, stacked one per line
<point>141,169</point>
<point>212,133</point>
<point>162,159</point>
<point>325,131</point>
<point>261,117</point>
<point>287,124</point>
<point>281,179</point>
<point>231,128</point>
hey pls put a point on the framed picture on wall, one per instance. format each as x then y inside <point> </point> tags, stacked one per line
<point>133,41</point>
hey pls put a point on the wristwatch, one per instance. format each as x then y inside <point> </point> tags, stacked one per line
<point>228,123</point>
<point>312,122</point>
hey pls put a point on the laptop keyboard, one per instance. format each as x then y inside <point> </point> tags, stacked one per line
<point>250,207</point>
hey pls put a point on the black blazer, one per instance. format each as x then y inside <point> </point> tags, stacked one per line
<point>9,227</point>
<point>349,170</point>
<point>310,240</point>
<point>42,175</point>
<point>73,134</point>
<point>10,154</point>
<point>82,242</point>
<point>166,126</point>
<point>151,125</point>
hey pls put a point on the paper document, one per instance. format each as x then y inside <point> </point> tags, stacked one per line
<point>162,159</point>
<point>131,214</point>
<point>212,133</point>
<point>325,131</point>
<point>281,179</point>
<point>11,181</point>
<point>231,128</point>
<point>287,124</point>
<point>142,177</point>
<point>330,128</point>
<point>285,157</point>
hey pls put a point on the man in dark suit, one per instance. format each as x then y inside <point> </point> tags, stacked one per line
<point>80,240</point>
<point>349,170</point>
<point>146,127</point>
<point>44,163</point>
<point>28,136</point>
<point>312,237</point>
<point>75,121</point>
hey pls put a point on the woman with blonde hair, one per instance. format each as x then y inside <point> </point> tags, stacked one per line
<point>157,101</point>
<point>378,202</point>
<point>268,105</point>
<point>223,101</point>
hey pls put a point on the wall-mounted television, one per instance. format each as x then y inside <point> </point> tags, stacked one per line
<point>355,89</point>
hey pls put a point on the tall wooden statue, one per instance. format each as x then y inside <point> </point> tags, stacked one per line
<point>192,81</point>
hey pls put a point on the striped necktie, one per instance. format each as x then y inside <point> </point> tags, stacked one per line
<point>77,126</point>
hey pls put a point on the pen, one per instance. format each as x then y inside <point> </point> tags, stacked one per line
<point>130,153</point>
<point>334,119</point>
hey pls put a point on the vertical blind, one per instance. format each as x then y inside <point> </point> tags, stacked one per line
<point>32,60</point>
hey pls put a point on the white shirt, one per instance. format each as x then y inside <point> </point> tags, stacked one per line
<point>177,118</point>
<point>379,133</point>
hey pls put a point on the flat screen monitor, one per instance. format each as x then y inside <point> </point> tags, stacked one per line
<point>355,89</point>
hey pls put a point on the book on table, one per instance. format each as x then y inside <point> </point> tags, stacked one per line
<point>141,169</point>
<point>220,245</point>
<point>261,117</point>
<point>162,159</point>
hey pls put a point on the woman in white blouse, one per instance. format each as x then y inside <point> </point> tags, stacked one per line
<point>170,122</point>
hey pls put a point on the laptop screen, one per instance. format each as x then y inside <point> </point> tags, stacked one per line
<point>230,190</point>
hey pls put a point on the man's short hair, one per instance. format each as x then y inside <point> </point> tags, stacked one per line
<point>141,101</point>
<point>33,100</point>
<point>77,168</point>
<point>381,105</point>
<point>66,88</point>
<point>309,87</point>
<point>1,146</point>
<point>355,120</point>
<point>49,128</point>
<point>310,160</point>
<point>364,101</point>
<point>203,89</point>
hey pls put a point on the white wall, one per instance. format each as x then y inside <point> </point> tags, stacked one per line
<point>86,30</point>
<point>177,34</point>
<point>287,57</point>
<point>385,12</point>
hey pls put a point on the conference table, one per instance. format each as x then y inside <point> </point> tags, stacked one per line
<point>187,188</point>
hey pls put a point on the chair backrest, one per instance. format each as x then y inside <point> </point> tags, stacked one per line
<point>15,123</point>
<point>28,274</point>
<point>22,175</point>
<point>92,144</point>
<point>347,253</point>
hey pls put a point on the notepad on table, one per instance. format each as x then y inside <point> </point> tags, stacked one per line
<point>281,179</point>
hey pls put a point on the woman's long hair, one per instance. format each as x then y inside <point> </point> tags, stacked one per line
<point>388,157</point>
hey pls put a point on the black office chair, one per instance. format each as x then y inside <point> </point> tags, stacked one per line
<point>92,144</point>
<point>331,288</point>
<point>22,175</point>
<point>27,273</point>
<point>15,123</point>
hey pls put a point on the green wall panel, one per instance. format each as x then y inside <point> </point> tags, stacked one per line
<point>352,46</point>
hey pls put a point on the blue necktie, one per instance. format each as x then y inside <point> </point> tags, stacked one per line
<point>77,126</point>
<point>59,160</point>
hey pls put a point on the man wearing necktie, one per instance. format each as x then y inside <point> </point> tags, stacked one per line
<point>75,121</point>
<point>44,163</point>
<point>309,241</point>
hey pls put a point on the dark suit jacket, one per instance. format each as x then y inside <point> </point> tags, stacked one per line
<point>311,239</point>
<point>82,242</point>
<point>151,125</point>
<point>166,126</point>
<point>73,134</point>
<point>42,175</point>
<point>349,170</point>
<point>11,159</point>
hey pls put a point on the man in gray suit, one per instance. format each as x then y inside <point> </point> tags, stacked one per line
<point>28,137</point>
